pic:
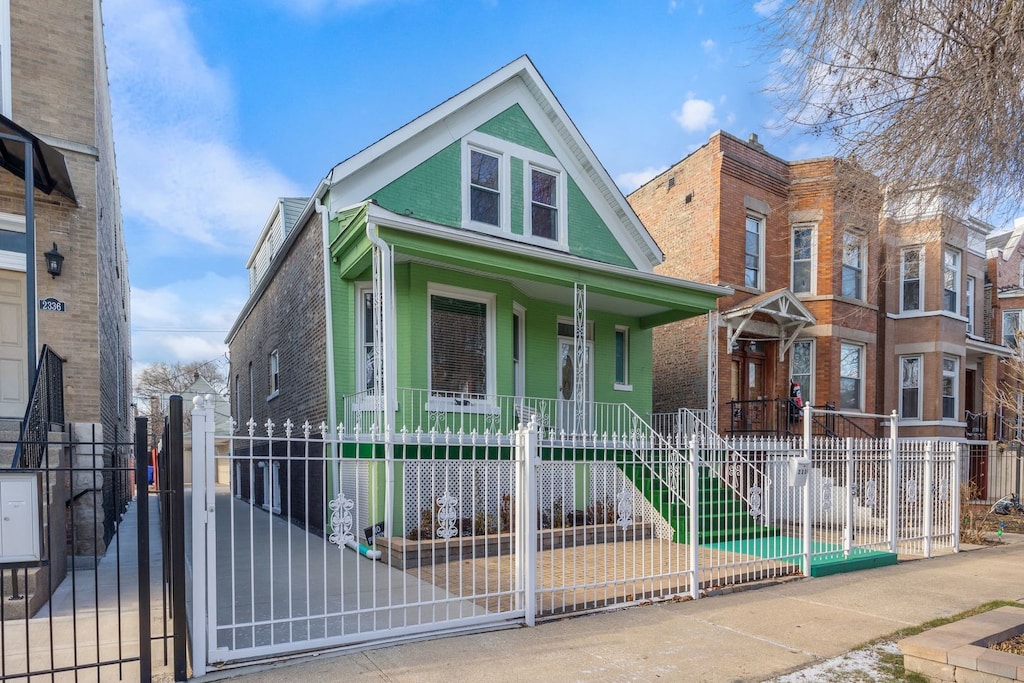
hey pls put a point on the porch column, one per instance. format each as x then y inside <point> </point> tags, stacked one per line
<point>579,383</point>
<point>384,362</point>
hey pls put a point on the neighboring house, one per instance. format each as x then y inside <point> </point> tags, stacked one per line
<point>473,269</point>
<point>54,93</point>
<point>1004,324</point>
<point>868,309</point>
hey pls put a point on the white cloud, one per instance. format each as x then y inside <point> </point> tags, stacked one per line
<point>313,7</point>
<point>630,181</point>
<point>695,115</point>
<point>187,319</point>
<point>173,119</point>
<point>766,8</point>
<point>708,45</point>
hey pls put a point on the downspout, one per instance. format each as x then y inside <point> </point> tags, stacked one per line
<point>388,390</point>
<point>332,401</point>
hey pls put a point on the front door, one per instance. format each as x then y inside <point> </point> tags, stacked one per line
<point>13,345</point>
<point>750,411</point>
<point>567,408</point>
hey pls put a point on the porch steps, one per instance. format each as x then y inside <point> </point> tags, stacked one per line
<point>724,515</point>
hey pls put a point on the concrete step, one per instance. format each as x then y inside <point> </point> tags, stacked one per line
<point>33,592</point>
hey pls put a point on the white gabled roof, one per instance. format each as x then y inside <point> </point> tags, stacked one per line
<point>518,82</point>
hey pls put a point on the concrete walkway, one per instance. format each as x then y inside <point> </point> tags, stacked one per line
<point>749,635</point>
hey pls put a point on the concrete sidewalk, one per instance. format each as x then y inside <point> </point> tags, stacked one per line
<point>749,635</point>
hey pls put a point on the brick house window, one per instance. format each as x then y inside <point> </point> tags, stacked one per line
<point>544,204</point>
<point>802,369</point>
<point>969,305</point>
<point>951,280</point>
<point>753,274</point>
<point>803,259</point>
<point>910,279</point>
<point>275,374</point>
<point>461,343</point>
<point>853,265</point>
<point>910,387</point>
<point>851,373</point>
<point>484,188</point>
<point>950,371</point>
<point>1011,324</point>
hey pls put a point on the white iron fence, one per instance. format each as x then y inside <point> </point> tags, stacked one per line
<point>325,539</point>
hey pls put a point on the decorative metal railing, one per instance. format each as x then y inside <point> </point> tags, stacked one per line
<point>977,426</point>
<point>45,408</point>
<point>782,417</point>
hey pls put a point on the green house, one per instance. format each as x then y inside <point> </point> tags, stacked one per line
<point>473,270</point>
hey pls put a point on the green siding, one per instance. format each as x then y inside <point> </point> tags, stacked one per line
<point>589,237</point>
<point>515,126</point>
<point>516,172</point>
<point>431,191</point>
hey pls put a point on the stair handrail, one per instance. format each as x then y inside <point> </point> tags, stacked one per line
<point>45,407</point>
<point>830,411</point>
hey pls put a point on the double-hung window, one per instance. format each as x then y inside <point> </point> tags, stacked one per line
<point>803,259</point>
<point>802,369</point>
<point>851,376</point>
<point>484,187</point>
<point>621,357</point>
<point>969,305</point>
<point>950,370</point>
<point>275,373</point>
<point>365,330</point>
<point>543,204</point>
<point>853,265</point>
<point>910,387</point>
<point>910,279</point>
<point>461,343</point>
<point>753,273</point>
<point>951,280</point>
<point>1011,324</point>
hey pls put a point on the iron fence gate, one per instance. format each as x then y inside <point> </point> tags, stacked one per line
<point>305,538</point>
<point>84,609</point>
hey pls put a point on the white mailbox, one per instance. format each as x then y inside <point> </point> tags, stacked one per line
<point>21,515</point>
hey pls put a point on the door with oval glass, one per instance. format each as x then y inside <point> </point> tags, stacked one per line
<point>567,408</point>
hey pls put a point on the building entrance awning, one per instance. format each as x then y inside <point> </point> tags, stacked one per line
<point>49,170</point>
<point>782,306</point>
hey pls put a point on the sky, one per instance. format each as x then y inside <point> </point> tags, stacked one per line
<point>222,106</point>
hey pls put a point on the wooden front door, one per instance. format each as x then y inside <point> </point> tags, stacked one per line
<point>13,345</point>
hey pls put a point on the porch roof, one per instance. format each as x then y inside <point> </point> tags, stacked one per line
<point>781,305</point>
<point>539,273</point>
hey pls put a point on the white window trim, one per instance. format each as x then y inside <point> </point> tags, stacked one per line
<point>520,371</point>
<point>957,285</point>
<point>487,405</point>
<point>920,279</point>
<point>1020,274</point>
<point>531,159</point>
<point>274,359</point>
<point>1002,324</point>
<point>956,388</point>
<point>806,392</point>
<point>920,388</point>
<point>626,385</point>
<point>969,312</point>
<point>763,223</point>
<point>860,370</point>
<point>862,241</point>
<point>813,227</point>
<point>361,288</point>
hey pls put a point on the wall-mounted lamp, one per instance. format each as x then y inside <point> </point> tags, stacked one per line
<point>54,261</point>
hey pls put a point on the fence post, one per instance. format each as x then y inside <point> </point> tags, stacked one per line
<point>142,511</point>
<point>693,519</point>
<point>201,607</point>
<point>893,492</point>
<point>176,464</point>
<point>805,498</point>
<point>848,531</point>
<point>958,457</point>
<point>928,492</point>
<point>527,453</point>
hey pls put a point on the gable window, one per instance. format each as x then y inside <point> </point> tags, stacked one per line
<point>802,369</point>
<point>753,274</point>
<point>951,280</point>
<point>621,357</point>
<point>950,370</point>
<point>910,387</point>
<point>851,373</point>
<point>484,188</point>
<point>969,305</point>
<point>461,343</point>
<point>544,204</point>
<point>1011,325</point>
<point>853,266</point>
<point>910,279</point>
<point>275,374</point>
<point>803,259</point>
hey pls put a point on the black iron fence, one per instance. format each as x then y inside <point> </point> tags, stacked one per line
<point>781,417</point>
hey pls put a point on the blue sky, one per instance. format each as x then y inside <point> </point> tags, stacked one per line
<point>221,106</point>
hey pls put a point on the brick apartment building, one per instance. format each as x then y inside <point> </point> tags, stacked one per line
<point>54,94</point>
<point>867,307</point>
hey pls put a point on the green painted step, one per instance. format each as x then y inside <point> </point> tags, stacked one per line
<point>826,558</point>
